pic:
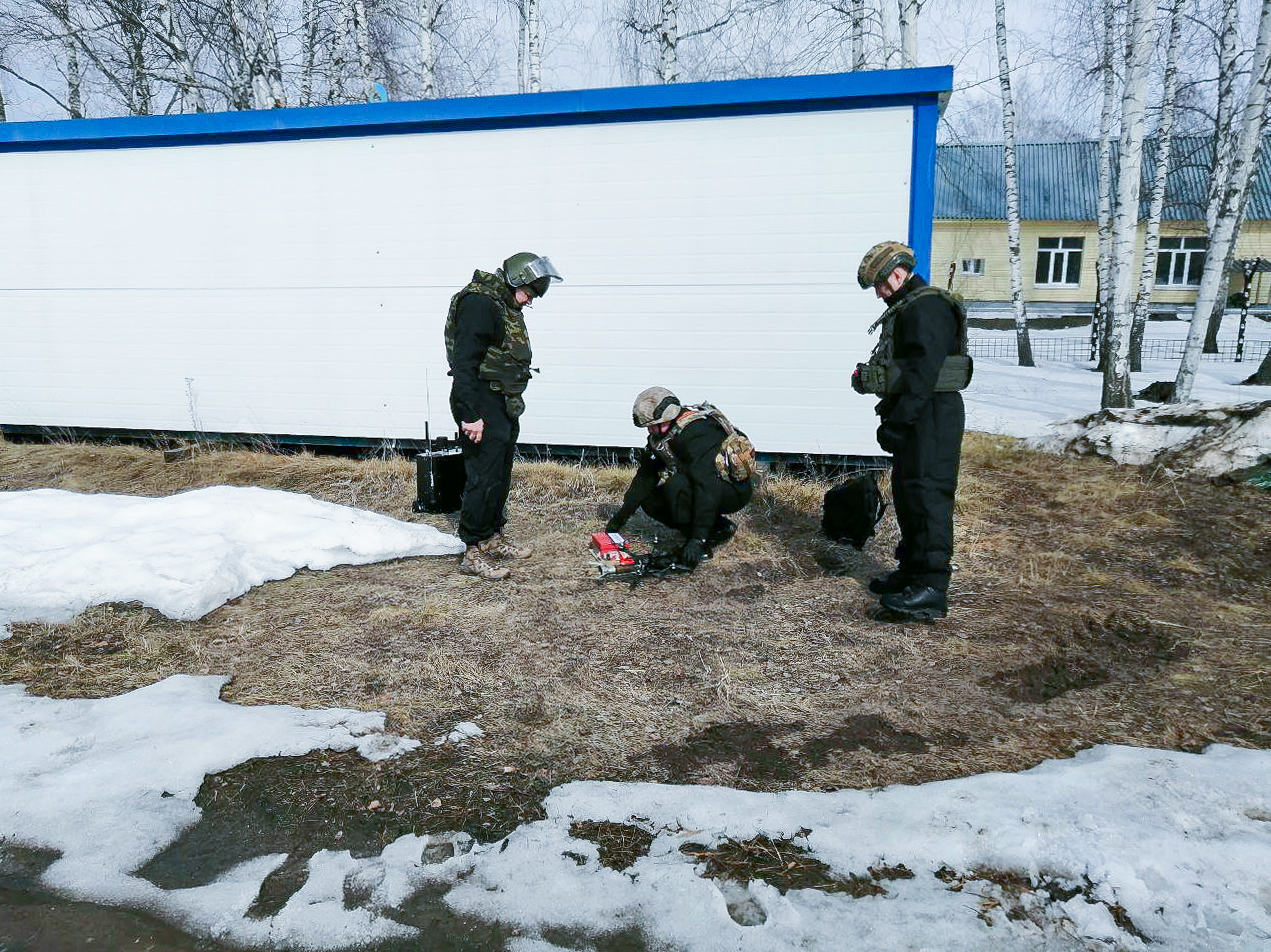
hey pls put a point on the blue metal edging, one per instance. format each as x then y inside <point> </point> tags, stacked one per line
<point>922,198</point>
<point>919,88</point>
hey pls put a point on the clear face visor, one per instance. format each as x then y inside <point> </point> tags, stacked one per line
<point>538,268</point>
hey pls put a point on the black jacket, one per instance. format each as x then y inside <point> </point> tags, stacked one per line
<point>925,333</point>
<point>478,326</point>
<point>695,448</point>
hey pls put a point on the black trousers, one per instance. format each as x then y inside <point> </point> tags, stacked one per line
<point>673,502</point>
<point>924,480</point>
<point>487,472</point>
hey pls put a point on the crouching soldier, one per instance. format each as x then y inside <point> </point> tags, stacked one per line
<point>695,469</point>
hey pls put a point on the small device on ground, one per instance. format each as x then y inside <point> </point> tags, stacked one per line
<point>612,554</point>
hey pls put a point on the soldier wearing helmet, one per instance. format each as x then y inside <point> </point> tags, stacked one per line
<point>488,349</point>
<point>916,370</point>
<point>695,469</point>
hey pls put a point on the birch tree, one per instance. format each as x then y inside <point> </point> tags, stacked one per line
<point>658,24</point>
<point>429,15</point>
<point>907,19</point>
<point>173,36</point>
<point>1141,35</point>
<point>1156,205</point>
<point>855,13</point>
<point>1231,201</point>
<point>1224,136</point>
<point>529,47</point>
<point>1022,344</point>
<point>1107,121</point>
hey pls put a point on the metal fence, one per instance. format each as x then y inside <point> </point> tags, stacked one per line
<point>1077,349</point>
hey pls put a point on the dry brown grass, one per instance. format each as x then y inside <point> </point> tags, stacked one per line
<point>762,670</point>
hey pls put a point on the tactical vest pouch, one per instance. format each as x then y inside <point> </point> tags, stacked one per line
<point>955,374</point>
<point>735,461</point>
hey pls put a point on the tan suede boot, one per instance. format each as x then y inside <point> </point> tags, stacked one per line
<point>498,547</point>
<point>474,562</point>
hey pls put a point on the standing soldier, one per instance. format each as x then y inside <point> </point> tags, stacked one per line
<point>917,369</point>
<point>488,348</point>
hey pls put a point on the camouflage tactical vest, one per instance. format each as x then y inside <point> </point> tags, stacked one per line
<point>506,366</point>
<point>734,462</point>
<point>880,375</point>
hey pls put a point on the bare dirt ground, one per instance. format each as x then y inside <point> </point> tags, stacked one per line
<point>1091,604</point>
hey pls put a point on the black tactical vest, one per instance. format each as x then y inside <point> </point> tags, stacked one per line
<point>880,375</point>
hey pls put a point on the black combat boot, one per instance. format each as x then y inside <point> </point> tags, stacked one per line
<point>892,583</point>
<point>721,532</point>
<point>918,602</point>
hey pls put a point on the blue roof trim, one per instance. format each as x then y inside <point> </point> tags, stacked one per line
<point>571,107</point>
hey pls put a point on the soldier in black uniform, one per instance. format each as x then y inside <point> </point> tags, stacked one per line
<point>917,369</point>
<point>695,469</point>
<point>488,348</point>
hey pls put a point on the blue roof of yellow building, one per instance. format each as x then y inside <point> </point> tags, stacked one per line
<point>1059,181</point>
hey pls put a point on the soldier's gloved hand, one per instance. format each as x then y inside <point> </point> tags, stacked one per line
<point>857,383</point>
<point>692,554</point>
<point>891,437</point>
<point>615,523</point>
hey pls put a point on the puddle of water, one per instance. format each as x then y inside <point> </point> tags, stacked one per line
<point>37,923</point>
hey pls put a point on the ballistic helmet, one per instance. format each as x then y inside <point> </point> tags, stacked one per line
<point>881,260</point>
<point>655,405</point>
<point>526,269</point>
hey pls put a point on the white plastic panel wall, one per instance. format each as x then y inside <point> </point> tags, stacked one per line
<point>300,287</point>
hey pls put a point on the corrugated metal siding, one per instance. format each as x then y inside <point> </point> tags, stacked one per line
<point>1059,181</point>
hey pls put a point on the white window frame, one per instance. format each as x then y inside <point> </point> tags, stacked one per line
<point>1184,254</point>
<point>971,267</point>
<point>1057,260</point>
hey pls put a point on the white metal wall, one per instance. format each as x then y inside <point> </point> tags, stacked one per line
<point>300,287</point>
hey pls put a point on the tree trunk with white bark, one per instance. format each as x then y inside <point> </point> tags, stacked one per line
<point>856,23</point>
<point>1107,121</point>
<point>1023,346</point>
<point>669,41</point>
<point>1230,204</point>
<point>1225,127</point>
<point>429,15</point>
<point>907,15</point>
<point>887,32</point>
<point>173,35</point>
<point>362,33</point>
<point>1141,34</point>
<point>1164,152</point>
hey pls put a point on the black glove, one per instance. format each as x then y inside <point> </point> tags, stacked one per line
<point>857,384</point>
<point>693,552</point>
<point>891,437</point>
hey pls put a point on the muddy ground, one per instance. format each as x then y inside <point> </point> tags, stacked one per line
<point>1092,604</point>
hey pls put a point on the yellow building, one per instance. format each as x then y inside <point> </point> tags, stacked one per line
<point>1059,233</point>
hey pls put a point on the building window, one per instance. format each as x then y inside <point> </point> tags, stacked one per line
<point>973,266</point>
<point>1059,261</point>
<point>1180,261</point>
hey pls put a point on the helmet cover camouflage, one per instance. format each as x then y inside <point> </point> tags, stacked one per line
<point>655,405</point>
<point>881,260</point>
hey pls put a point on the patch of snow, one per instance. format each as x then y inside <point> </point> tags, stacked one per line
<point>184,555</point>
<point>1179,842</point>
<point>1205,440</point>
